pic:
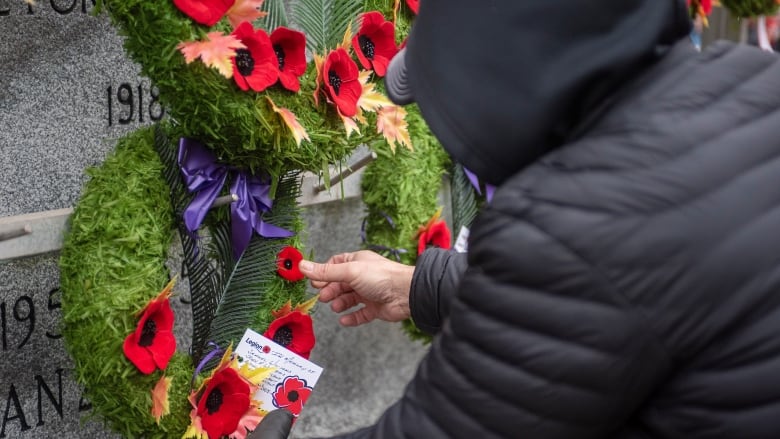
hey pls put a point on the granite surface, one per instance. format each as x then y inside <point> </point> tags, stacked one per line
<point>64,83</point>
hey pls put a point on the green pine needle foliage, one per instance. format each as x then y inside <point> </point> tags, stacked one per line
<point>750,8</point>
<point>240,127</point>
<point>111,265</point>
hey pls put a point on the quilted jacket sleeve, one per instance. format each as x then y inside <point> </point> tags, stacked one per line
<point>537,344</point>
<point>436,278</point>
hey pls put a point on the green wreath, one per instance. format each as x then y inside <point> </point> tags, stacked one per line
<point>113,262</point>
<point>113,259</point>
<point>750,8</point>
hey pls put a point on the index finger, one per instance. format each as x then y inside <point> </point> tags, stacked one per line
<point>345,272</point>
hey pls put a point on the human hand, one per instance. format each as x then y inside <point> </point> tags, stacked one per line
<point>349,279</point>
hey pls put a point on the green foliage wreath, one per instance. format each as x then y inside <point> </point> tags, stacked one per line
<point>113,259</point>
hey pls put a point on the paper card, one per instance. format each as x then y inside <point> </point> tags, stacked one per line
<point>290,386</point>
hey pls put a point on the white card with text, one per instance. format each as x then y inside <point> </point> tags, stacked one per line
<point>290,386</point>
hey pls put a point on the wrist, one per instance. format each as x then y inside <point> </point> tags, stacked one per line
<point>402,284</point>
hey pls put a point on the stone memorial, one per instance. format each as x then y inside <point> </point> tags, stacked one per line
<point>67,92</point>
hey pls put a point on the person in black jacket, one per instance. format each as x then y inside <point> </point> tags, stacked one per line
<point>624,282</point>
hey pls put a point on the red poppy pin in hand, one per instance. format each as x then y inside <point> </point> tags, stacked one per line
<point>287,264</point>
<point>152,344</point>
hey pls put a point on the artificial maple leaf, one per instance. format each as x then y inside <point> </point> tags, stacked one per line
<point>160,405</point>
<point>305,307</point>
<point>245,10</point>
<point>283,311</point>
<point>298,131</point>
<point>319,61</point>
<point>370,99</point>
<point>346,41</point>
<point>391,122</point>
<point>249,421</point>
<point>350,125</point>
<point>216,51</point>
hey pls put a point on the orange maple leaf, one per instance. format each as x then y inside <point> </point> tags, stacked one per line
<point>160,405</point>
<point>245,10</point>
<point>350,125</point>
<point>346,41</point>
<point>283,311</point>
<point>319,62</point>
<point>298,131</point>
<point>216,51</point>
<point>370,99</point>
<point>391,122</point>
<point>303,307</point>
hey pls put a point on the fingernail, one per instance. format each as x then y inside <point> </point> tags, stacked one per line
<point>306,266</point>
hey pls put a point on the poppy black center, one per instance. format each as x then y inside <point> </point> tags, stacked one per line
<point>147,333</point>
<point>283,336</point>
<point>288,264</point>
<point>244,62</point>
<point>367,46</point>
<point>279,55</point>
<point>214,401</point>
<point>292,396</point>
<point>334,81</point>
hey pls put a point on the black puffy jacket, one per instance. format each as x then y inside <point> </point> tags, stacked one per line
<point>625,285</point>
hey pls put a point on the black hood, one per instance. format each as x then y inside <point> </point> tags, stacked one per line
<point>502,82</point>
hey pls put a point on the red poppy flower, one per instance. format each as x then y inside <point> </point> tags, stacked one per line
<point>374,42</point>
<point>287,264</point>
<point>414,5</point>
<point>294,331</point>
<point>207,12</point>
<point>705,5</point>
<point>340,75</point>
<point>223,403</point>
<point>254,67</point>
<point>291,394</point>
<point>290,49</point>
<point>436,234</point>
<point>152,344</point>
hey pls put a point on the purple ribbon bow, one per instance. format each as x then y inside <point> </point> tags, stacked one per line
<point>489,188</point>
<point>205,177</point>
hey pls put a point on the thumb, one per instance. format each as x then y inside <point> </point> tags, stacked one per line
<point>327,272</point>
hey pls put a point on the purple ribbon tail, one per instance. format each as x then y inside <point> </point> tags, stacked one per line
<point>489,191</point>
<point>489,188</point>
<point>473,179</point>
<point>246,213</point>
<point>205,360</point>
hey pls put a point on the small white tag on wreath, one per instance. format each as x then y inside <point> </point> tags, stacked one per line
<point>462,243</point>
<point>291,384</point>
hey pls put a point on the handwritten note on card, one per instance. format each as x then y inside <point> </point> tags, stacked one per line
<point>293,381</point>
